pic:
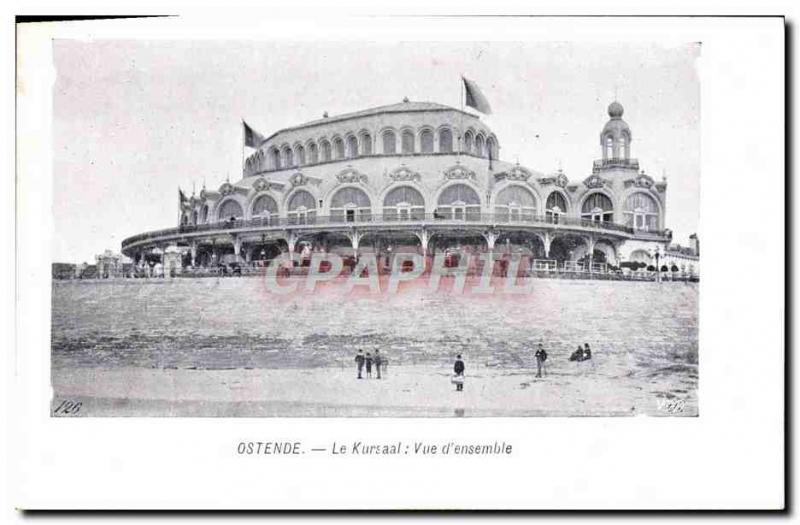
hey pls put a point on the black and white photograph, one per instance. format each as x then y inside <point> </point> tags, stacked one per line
<point>471,229</point>
<point>399,262</point>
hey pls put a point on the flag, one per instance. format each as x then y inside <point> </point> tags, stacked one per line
<point>252,138</point>
<point>475,98</point>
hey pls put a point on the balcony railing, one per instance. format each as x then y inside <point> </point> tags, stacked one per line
<point>389,219</point>
<point>616,162</point>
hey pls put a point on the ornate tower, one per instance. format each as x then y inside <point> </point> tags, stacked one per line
<point>615,139</point>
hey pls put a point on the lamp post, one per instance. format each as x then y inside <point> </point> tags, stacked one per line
<point>658,266</point>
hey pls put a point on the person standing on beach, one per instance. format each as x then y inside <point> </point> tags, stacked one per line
<point>458,369</point>
<point>360,362</point>
<point>369,365</point>
<point>541,357</point>
<point>378,362</point>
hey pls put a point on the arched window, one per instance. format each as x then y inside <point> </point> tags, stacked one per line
<point>479,146</point>
<point>302,208</point>
<point>491,148</point>
<point>265,207</point>
<point>366,144</point>
<point>204,214</point>
<point>403,203</point>
<point>459,202</point>
<point>300,155</point>
<point>350,205</point>
<point>641,256</point>
<point>609,150</point>
<point>555,207</point>
<point>641,212</point>
<point>408,142</point>
<point>598,208</point>
<point>352,147</point>
<point>338,148</point>
<point>313,153</point>
<point>230,209</point>
<point>468,142</point>
<point>514,204</point>
<point>426,141</point>
<point>623,152</point>
<point>194,216</point>
<point>389,143</point>
<point>276,159</point>
<point>445,141</point>
<point>325,147</point>
<point>288,157</point>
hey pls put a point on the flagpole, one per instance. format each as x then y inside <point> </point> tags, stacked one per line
<point>243,147</point>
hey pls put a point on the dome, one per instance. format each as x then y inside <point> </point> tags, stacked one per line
<point>615,110</point>
<point>616,127</point>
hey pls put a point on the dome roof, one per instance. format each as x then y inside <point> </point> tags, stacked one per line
<point>616,126</point>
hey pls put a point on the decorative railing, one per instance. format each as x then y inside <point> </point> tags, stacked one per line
<point>616,162</point>
<point>427,219</point>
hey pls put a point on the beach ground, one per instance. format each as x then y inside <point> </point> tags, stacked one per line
<point>224,347</point>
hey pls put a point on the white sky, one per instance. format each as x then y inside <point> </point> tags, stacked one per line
<point>133,120</point>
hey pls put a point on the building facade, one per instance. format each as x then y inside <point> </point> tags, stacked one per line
<point>417,176</point>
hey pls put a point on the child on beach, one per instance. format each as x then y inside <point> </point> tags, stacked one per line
<point>458,369</point>
<point>541,357</point>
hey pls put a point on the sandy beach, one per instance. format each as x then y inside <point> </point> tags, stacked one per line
<point>220,347</point>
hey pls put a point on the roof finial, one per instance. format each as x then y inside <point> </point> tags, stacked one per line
<point>325,115</point>
<point>405,99</point>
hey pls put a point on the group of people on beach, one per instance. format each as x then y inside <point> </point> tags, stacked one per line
<point>583,353</point>
<point>367,361</point>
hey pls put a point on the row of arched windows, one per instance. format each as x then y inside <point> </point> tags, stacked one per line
<point>458,201</point>
<point>390,142</point>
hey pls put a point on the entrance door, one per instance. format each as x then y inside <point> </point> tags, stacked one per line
<point>458,213</point>
<point>350,215</point>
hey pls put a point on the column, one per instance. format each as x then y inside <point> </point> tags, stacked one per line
<point>424,239</point>
<point>355,240</point>
<point>237,246</point>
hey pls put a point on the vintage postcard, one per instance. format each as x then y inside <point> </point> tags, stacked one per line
<point>489,244</point>
<point>453,244</point>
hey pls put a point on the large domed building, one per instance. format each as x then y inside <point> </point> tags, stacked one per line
<point>419,176</point>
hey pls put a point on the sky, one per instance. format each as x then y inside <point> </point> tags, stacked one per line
<point>135,119</point>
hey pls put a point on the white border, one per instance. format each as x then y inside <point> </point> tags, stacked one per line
<point>729,457</point>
